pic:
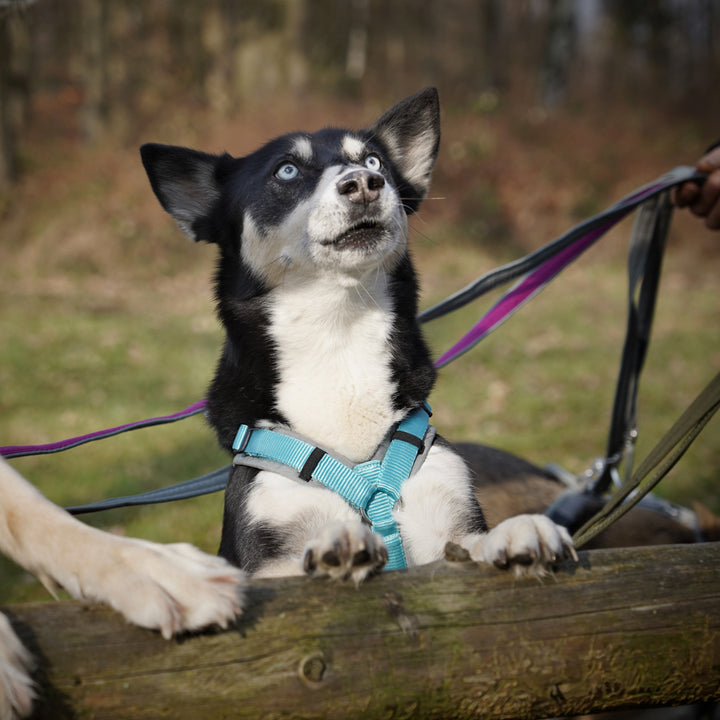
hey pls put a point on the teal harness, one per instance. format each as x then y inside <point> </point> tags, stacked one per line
<point>372,488</point>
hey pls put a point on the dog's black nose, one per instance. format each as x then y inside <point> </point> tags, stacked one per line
<point>361,186</point>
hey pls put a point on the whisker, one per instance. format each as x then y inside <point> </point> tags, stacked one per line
<point>428,238</point>
<point>426,197</point>
<point>368,294</point>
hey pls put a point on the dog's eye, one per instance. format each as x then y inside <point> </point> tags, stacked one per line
<point>373,162</point>
<point>287,171</point>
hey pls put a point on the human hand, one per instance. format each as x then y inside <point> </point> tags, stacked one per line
<point>704,199</point>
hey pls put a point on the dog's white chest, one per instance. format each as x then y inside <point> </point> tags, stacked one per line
<point>332,345</point>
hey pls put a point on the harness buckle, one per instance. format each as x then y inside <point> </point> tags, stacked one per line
<point>242,438</point>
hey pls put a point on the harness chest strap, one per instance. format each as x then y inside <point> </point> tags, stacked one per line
<point>372,488</point>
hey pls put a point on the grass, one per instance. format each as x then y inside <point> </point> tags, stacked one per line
<point>106,317</point>
<point>542,385</point>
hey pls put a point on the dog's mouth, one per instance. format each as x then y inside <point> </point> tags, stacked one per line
<point>361,236</point>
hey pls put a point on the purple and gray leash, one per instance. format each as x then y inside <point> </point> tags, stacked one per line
<point>13,451</point>
<point>540,267</point>
<point>535,271</point>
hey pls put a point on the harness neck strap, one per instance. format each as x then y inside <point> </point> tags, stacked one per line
<point>372,488</point>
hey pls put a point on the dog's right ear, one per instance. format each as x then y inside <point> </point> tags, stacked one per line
<point>187,184</point>
<point>411,133</point>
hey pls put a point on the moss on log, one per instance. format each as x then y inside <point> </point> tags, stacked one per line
<point>454,640</point>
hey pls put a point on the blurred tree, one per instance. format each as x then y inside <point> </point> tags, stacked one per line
<point>8,157</point>
<point>492,43</point>
<point>559,52</point>
<point>94,110</point>
<point>356,59</point>
<point>121,61</point>
<point>15,72</point>
<point>214,37</point>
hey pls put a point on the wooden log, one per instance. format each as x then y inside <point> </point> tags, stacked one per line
<point>622,628</point>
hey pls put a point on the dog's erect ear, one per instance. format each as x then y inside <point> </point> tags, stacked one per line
<point>186,183</point>
<point>411,132</point>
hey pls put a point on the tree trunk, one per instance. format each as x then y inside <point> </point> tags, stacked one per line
<point>8,158</point>
<point>622,628</point>
<point>15,53</point>
<point>94,79</point>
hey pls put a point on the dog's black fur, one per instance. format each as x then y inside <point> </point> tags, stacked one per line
<point>370,180</point>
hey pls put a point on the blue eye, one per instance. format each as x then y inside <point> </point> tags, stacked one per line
<point>373,162</point>
<point>287,171</point>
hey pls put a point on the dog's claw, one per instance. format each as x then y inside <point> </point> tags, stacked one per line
<point>529,543</point>
<point>345,551</point>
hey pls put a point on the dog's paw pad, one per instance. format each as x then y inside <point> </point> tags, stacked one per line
<point>528,543</point>
<point>345,551</point>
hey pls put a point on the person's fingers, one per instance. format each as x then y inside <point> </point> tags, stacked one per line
<point>708,196</point>
<point>687,194</point>
<point>713,218</point>
<point>710,161</point>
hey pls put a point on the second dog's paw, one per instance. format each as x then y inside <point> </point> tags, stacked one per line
<point>532,543</point>
<point>345,551</point>
<point>172,588</point>
<point>16,688</point>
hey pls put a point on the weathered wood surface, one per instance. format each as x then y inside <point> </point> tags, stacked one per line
<point>452,640</point>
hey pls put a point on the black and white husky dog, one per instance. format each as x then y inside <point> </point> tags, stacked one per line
<point>318,296</point>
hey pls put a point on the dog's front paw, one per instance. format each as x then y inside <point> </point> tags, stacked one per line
<point>172,588</point>
<point>528,543</point>
<point>345,551</point>
<point>16,689</point>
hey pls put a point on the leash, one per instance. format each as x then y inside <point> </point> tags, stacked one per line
<point>537,268</point>
<point>659,461</point>
<point>13,451</point>
<point>644,264</point>
<point>204,485</point>
<point>543,265</point>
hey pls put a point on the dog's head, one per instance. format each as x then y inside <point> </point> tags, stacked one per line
<point>334,200</point>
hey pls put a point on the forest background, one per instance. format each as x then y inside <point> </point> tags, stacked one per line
<point>552,110</point>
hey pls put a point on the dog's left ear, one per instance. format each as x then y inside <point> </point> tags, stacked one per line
<point>187,183</point>
<point>411,133</point>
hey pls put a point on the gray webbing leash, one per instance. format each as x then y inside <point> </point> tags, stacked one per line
<point>644,264</point>
<point>644,267</point>
<point>659,461</point>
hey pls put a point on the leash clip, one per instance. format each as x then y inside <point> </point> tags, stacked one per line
<point>242,438</point>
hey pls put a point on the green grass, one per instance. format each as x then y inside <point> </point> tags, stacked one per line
<point>66,371</point>
<point>104,321</point>
<point>541,386</point>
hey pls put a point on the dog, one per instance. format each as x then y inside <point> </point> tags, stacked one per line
<point>507,485</point>
<point>317,294</point>
<point>171,588</point>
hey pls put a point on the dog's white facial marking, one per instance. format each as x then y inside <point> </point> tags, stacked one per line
<point>302,149</point>
<point>332,216</point>
<point>335,383</point>
<point>271,253</point>
<point>305,239</point>
<point>354,148</point>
